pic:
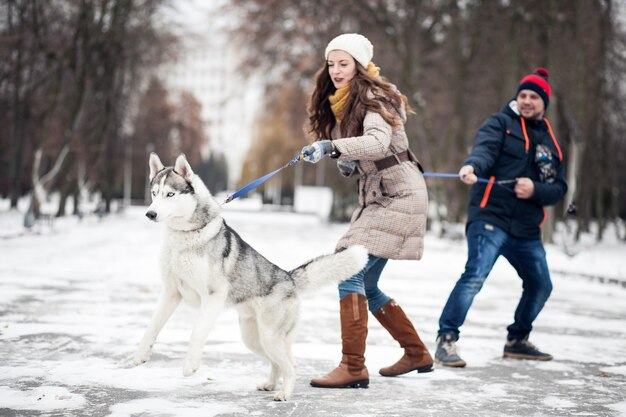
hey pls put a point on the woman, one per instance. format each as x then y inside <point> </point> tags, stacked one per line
<point>364,115</point>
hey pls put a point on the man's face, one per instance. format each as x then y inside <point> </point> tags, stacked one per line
<point>530,104</point>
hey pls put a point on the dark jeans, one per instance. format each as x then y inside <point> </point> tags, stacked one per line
<point>365,282</point>
<point>485,243</point>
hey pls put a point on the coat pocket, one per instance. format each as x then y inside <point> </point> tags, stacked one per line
<point>514,146</point>
<point>375,192</point>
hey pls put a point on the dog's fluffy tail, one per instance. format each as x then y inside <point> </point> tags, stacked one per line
<point>330,268</point>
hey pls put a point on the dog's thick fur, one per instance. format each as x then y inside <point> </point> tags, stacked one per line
<point>205,263</point>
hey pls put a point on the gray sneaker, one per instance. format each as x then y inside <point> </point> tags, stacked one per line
<point>523,349</point>
<point>446,354</point>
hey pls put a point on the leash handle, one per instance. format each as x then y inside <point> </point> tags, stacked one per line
<point>449,175</point>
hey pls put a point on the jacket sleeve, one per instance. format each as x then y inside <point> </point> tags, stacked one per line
<point>549,194</point>
<point>486,146</point>
<point>372,145</point>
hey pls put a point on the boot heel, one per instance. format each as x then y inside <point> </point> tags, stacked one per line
<point>423,369</point>
<point>359,384</point>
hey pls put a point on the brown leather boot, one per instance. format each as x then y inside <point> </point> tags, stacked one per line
<point>351,372</point>
<point>416,355</point>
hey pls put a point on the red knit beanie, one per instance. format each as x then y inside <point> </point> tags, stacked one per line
<point>537,82</point>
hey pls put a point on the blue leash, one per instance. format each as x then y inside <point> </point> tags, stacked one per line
<point>245,189</point>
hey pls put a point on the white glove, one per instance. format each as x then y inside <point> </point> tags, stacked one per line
<point>317,150</point>
<point>346,168</point>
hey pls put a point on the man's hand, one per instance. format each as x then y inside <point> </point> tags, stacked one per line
<point>466,174</point>
<point>524,188</point>
<point>317,150</point>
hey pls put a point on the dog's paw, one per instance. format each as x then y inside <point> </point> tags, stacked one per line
<point>266,386</point>
<point>191,366</point>
<point>281,396</point>
<point>141,356</point>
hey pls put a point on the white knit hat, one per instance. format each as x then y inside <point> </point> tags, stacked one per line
<point>356,45</point>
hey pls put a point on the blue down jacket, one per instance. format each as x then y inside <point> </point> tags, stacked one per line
<point>508,146</point>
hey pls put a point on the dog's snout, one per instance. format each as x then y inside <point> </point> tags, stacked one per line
<point>151,215</point>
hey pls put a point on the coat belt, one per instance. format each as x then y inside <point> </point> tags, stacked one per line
<point>397,159</point>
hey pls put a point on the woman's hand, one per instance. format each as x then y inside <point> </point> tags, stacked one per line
<point>317,150</point>
<point>346,167</point>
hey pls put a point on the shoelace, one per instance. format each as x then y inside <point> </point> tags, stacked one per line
<point>449,347</point>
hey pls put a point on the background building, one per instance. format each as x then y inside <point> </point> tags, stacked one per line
<point>207,66</point>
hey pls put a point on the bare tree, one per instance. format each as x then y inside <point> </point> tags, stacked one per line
<point>191,136</point>
<point>68,72</point>
<point>152,131</point>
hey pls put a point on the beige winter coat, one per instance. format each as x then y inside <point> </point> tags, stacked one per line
<point>391,218</point>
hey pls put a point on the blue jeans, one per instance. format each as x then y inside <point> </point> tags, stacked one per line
<point>365,282</point>
<point>485,243</point>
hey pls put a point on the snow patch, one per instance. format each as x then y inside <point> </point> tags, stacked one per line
<point>158,407</point>
<point>621,370</point>
<point>556,402</point>
<point>43,398</point>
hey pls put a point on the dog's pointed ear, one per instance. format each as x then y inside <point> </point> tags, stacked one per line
<point>155,165</point>
<point>183,168</point>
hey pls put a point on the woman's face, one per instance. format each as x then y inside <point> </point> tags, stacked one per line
<point>341,67</point>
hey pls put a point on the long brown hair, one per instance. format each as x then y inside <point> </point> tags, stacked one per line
<point>387,102</point>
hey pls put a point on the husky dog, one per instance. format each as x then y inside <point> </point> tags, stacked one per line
<point>205,263</point>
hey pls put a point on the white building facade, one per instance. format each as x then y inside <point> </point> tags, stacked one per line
<point>207,66</point>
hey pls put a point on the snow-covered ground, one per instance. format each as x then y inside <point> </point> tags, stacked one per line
<point>76,297</point>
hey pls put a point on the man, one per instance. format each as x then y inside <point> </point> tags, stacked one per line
<point>505,218</point>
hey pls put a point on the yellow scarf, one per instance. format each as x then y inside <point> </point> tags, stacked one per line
<point>340,98</point>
